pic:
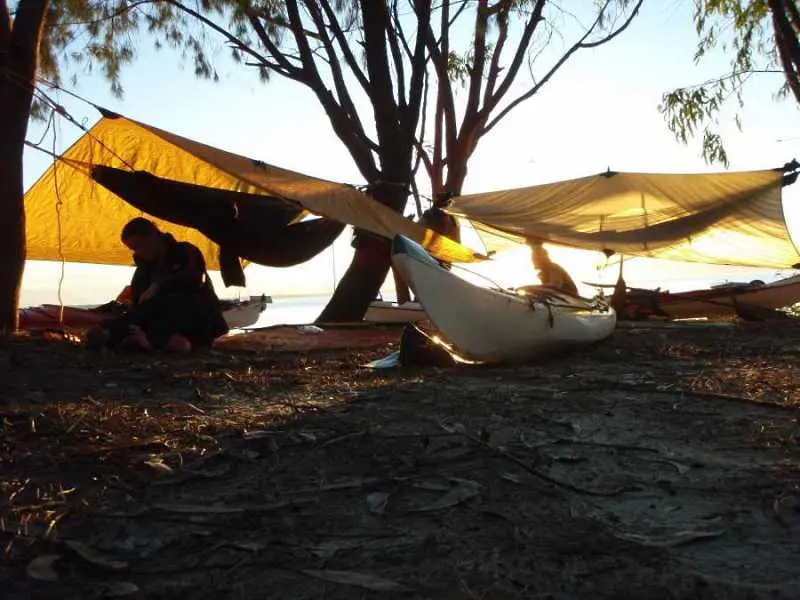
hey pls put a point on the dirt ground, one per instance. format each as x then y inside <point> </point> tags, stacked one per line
<point>662,464</point>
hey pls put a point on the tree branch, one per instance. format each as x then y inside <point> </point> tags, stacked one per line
<point>575,47</point>
<point>289,71</point>
<point>438,50</point>
<point>615,33</point>
<point>361,152</point>
<point>282,65</point>
<point>399,29</point>
<point>734,75</point>
<point>478,61</point>
<point>128,7</point>
<point>384,103</point>
<point>349,57</point>
<point>519,55</point>
<point>457,14</point>
<point>794,13</point>
<point>418,86</point>
<point>494,66</point>
<point>312,76</point>
<point>345,100</point>
<point>445,102</point>
<point>277,22</point>
<point>422,154</point>
<point>397,59</point>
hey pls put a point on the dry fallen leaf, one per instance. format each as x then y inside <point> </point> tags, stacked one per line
<point>376,502</point>
<point>41,568</point>
<point>249,546</point>
<point>158,465</point>
<point>363,580</point>
<point>95,557</point>
<point>257,434</point>
<point>677,538</point>
<point>465,490</point>
<point>119,589</point>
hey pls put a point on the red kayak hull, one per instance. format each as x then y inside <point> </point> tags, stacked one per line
<point>49,316</point>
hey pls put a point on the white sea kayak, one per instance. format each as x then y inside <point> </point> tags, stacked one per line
<point>492,325</point>
<point>244,313</point>
<point>391,312</point>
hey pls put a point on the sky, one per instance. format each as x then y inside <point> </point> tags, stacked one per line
<point>600,111</point>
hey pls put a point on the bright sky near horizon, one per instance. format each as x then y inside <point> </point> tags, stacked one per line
<point>599,111</point>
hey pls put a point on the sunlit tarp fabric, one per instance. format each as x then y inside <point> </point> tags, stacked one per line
<point>720,218</point>
<point>72,217</point>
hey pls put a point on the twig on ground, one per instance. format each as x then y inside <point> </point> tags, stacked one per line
<point>572,441</point>
<point>614,386</point>
<point>196,409</point>
<point>536,473</point>
<point>342,438</point>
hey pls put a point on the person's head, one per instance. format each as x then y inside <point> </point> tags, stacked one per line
<point>143,238</point>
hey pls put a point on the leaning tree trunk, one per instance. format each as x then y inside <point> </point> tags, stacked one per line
<point>19,51</point>
<point>367,271</point>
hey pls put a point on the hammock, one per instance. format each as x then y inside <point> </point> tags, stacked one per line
<point>256,228</point>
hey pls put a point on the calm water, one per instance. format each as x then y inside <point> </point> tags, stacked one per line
<point>305,309</point>
<point>291,310</point>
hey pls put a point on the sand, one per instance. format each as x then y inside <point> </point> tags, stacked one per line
<point>664,463</point>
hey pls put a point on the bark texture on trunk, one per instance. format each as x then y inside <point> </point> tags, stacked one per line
<point>367,271</point>
<point>786,21</point>
<point>19,54</point>
<point>12,225</point>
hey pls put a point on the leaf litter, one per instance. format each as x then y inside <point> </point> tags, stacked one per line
<point>41,568</point>
<point>362,580</point>
<point>338,485</point>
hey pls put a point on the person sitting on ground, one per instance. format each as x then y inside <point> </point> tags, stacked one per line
<point>550,274</point>
<point>172,303</point>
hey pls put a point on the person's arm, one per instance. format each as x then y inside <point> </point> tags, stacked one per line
<point>139,282</point>
<point>187,269</point>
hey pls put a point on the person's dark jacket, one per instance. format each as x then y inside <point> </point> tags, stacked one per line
<point>184,303</point>
<point>182,270</point>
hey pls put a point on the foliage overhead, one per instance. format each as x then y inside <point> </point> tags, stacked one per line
<point>374,65</point>
<point>761,39</point>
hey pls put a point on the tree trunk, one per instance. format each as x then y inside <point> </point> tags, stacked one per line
<point>19,53</point>
<point>360,285</point>
<point>363,279</point>
<point>12,213</point>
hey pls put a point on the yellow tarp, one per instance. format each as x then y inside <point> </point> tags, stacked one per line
<point>71,217</point>
<point>718,218</point>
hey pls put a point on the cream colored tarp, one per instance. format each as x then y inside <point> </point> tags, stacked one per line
<point>719,218</point>
<point>71,217</point>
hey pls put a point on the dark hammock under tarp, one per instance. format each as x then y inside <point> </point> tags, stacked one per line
<point>253,227</point>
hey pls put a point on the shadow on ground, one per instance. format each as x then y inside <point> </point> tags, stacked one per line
<point>663,464</point>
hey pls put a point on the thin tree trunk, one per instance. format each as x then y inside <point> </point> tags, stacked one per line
<point>358,287</point>
<point>19,54</point>
<point>368,270</point>
<point>12,214</point>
